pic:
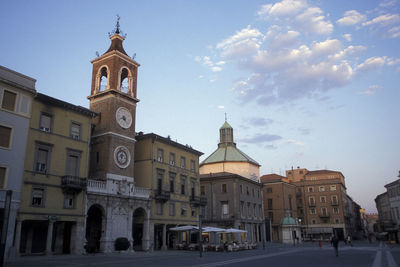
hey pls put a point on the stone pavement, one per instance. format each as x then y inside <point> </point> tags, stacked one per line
<point>274,254</point>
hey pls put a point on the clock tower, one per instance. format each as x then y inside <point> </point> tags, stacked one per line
<point>114,203</point>
<point>113,95</point>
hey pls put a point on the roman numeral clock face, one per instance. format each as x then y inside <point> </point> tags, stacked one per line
<point>124,117</point>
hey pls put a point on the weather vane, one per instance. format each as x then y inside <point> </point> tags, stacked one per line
<point>117,29</point>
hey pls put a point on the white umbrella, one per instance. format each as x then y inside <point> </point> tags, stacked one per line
<point>209,229</point>
<point>234,230</point>
<point>184,228</point>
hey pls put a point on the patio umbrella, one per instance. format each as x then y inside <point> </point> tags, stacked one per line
<point>184,228</point>
<point>209,229</point>
<point>234,230</point>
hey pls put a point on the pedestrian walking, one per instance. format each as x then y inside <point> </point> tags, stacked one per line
<point>349,240</point>
<point>335,244</point>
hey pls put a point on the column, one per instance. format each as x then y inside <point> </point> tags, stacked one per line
<point>146,235</point>
<point>18,237</point>
<point>164,241</point>
<point>129,229</point>
<point>49,237</point>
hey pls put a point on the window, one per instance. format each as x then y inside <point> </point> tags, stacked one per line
<point>223,188</point>
<point>183,185</point>
<point>192,165</point>
<point>160,155</point>
<point>172,182</point>
<point>313,221</point>
<point>224,208</point>
<point>321,189</point>
<point>9,99</point>
<point>3,175</point>
<point>335,210</point>
<point>42,158</point>
<point>324,211</point>
<point>202,190</point>
<point>337,221</point>
<point>124,81</point>
<point>160,179</point>
<point>172,159</point>
<point>271,216</point>
<point>269,203</point>
<point>183,162</point>
<point>334,200</point>
<point>171,209</point>
<point>45,122</point>
<point>290,202</point>
<point>193,212</point>
<point>258,193</point>
<point>242,208</point>
<point>103,81</point>
<point>311,201</point>
<point>159,208</point>
<point>247,189</point>
<point>5,136</point>
<point>192,188</point>
<point>75,130</point>
<point>254,210</point>
<point>69,201</point>
<point>269,189</point>
<point>73,160</point>
<point>37,197</point>
<point>183,209</point>
<point>241,189</point>
<point>248,209</point>
<point>253,191</point>
<point>312,211</point>
<point>333,187</point>
<point>323,199</point>
<point>311,189</point>
<point>260,211</point>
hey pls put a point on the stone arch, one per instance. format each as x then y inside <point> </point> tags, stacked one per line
<point>125,80</point>
<point>139,228</point>
<point>103,79</point>
<point>95,221</point>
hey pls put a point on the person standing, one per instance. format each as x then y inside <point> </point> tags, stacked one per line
<point>349,240</point>
<point>335,244</point>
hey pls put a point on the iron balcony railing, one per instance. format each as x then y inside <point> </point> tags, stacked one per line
<point>162,195</point>
<point>73,183</point>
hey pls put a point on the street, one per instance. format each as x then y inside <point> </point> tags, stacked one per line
<point>308,254</point>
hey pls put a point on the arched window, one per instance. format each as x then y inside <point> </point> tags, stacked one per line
<point>103,79</point>
<point>124,81</point>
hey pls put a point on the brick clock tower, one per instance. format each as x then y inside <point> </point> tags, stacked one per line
<point>113,200</point>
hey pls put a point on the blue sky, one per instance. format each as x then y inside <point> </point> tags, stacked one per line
<point>313,84</point>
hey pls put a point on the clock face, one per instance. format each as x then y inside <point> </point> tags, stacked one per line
<point>124,117</point>
<point>122,157</point>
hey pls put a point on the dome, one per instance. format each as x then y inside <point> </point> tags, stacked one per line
<point>288,221</point>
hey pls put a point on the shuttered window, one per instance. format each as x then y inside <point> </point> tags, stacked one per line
<point>9,99</point>
<point>5,136</point>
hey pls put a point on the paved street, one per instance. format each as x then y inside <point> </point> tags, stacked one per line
<point>309,254</point>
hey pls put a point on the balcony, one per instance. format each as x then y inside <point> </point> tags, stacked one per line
<point>335,203</point>
<point>194,201</point>
<point>120,188</point>
<point>324,215</point>
<point>311,204</point>
<point>73,183</point>
<point>162,195</point>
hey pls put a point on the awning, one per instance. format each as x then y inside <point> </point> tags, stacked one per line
<point>184,228</point>
<point>209,229</point>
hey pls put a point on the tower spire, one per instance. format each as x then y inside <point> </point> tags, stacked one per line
<point>117,29</point>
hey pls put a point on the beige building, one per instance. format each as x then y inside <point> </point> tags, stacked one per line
<point>279,197</point>
<point>52,212</point>
<point>171,171</point>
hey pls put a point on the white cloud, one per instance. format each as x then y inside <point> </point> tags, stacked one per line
<point>383,20</point>
<point>221,107</point>
<point>241,44</point>
<point>206,61</point>
<point>283,8</point>
<point>294,142</point>
<point>394,32</point>
<point>347,37</point>
<point>371,63</point>
<point>216,69</point>
<point>326,47</point>
<point>347,52</point>
<point>393,61</point>
<point>312,20</point>
<point>287,39</point>
<point>371,90</point>
<point>351,17</point>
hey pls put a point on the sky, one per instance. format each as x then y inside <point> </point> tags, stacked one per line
<point>310,84</point>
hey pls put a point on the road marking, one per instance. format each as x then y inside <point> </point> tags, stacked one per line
<point>390,259</point>
<point>378,259</point>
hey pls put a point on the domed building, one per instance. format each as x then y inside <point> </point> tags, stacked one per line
<point>229,179</point>
<point>228,158</point>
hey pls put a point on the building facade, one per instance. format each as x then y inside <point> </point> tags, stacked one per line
<point>116,207</point>
<point>52,212</point>
<point>385,223</point>
<point>230,181</point>
<point>16,94</point>
<point>322,203</point>
<point>171,171</point>
<point>279,197</point>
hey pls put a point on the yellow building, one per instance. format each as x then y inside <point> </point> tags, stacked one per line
<point>51,215</point>
<point>171,171</point>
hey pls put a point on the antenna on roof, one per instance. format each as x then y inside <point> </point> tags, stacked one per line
<point>97,54</point>
<point>134,56</point>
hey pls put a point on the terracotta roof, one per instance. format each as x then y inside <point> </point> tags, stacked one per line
<point>271,178</point>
